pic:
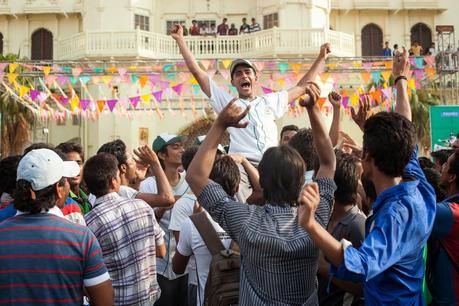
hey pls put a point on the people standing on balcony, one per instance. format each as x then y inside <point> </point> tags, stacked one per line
<point>387,51</point>
<point>416,49</point>
<point>261,133</point>
<point>245,27</point>
<point>212,31</point>
<point>255,26</point>
<point>395,51</point>
<point>185,30</point>
<point>203,29</point>
<point>194,29</point>
<point>222,28</point>
<point>232,30</point>
<point>432,50</point>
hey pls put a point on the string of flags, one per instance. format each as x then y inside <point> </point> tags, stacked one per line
<point>88,90</point>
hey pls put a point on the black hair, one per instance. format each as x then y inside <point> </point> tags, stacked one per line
<point>303,142</point>
<point>69,147</point>
<point>425,162</point>
<point>346,178</point>
<point>441,156</point>
<point>98,173</point>
<point>291,127</point>
<point>434,179</point>
<point>116,148</point>
<point>226,173</point>
<point>454,167</point>
<point>8,172</point>
<point>245,65</point>
<point>281,175</point>
<point>188,156</point>
<point>44,198</point>
<point>395,46</point>
<point>389,139</point>
<point>369,188</point>
<point>194,20</point>
<point>36,146</point>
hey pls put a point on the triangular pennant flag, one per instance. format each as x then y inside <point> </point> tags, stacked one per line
<point>226,63</point>
<point>195,89</point>
<point>63,100</point>
<point>354,99</point>
<point>367,66</point>
<point>211,72</point>
<point>411,84</point>
<point>76,71</point>
<point>12,77</point>
<point>430,72</point>
<point>345,102</point>
<point>365,77</point>
<point>430,60</point>
<point>98,70</point>
<point>23,90</point>
<point>158,95</point>
<point>376,76</point>
<point>85,79</point>
<point>324,77</point>
<point>111,104</point>
<point>73,79</point>
<point>154,78</point>
<point>106,79</point>
<point>134,101</point>
<point>387,92</point>
<point>178,89</point>
<point>388,64</point>
<point>259,66</point>
<point>266,90</point>
<point>134,78</point>
<point>84,103</point>
<point>62,79</point>
<point>146,98</point>
<point>205,64</point>
<point>283,67</point>
<point>193,81</point>
<point>143,79</point>
<point>13,67</point>
<point>171,75</point>
<point>46,70</point>
<point>122,71</point>
<point>42,97</point>
<point>281,82</point>
<point>419,62</point>
<point>167,67</point>
<point>33,94</point>
<point>112,69</point>
<point>418,74</point>
<point>296,67</point>
<point>357,64</point>
<point>163,85</point>
<point>376,95</point>
<point>100,105</point>
<point>386,75</point>
<point>321,101</point>
<point>74,102</point>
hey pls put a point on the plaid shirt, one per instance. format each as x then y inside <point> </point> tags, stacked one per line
<point>128,234</point>
<point>278,258</point>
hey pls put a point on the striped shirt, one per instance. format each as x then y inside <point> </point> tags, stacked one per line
<point>128,234</point>
<point>278,258</point>
<point>46,260</point>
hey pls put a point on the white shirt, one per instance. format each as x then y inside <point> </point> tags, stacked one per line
<point>182,211</point>
<point>125,192</point>
<point>164,265</point>
<point>191,242</point>
<point>261,133</point>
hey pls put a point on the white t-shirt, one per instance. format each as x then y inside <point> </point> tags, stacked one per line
<point>191,243</point>
<point>182,211</point>
<point>125,192</point>
<point>261,133</point>
<point>164,265</point>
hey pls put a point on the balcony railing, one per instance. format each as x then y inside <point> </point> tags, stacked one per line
<point>267,43</point>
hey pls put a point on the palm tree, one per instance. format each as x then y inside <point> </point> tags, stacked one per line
<point>16,120</point>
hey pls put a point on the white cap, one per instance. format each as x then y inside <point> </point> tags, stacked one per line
<point>43,168</point>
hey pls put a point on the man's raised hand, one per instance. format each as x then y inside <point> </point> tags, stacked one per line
<point>325,50</point>
<point>312,95</point>
<point>177,32</point>
<point>363,113</point>
<point>308,202</point>
<point>232,114</point>
<point>335,99</point>
<point>145,156</point>
<point>401,64</point>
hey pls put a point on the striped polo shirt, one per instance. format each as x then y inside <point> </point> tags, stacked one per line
<point>278,257</point>
<point>46,260</point>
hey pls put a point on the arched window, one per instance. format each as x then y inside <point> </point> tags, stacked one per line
<point>372,40</point>
<point>1,43</point>
<point>421,33</point>
<point>42,45</point>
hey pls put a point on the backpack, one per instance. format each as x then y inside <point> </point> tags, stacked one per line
<point>222,286</point>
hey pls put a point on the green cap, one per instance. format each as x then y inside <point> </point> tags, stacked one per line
<point>164,140</point>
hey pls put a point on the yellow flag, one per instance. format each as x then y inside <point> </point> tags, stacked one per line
<point>146,98</point>
<point>12,77</point>
<point>412,84</point>
<point>280,82</point>
<point>46,70</point>
<point>106,79</point>
<point>354,99</point>
<point>74,102</point>
<point>386,75</point>
<point>193,81</point>
<point>357,65</point>
<point>13,67</point>
<point>23,90</point>
<point>226,63</point>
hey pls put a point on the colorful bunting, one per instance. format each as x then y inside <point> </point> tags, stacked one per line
<point>134,101</point>
<point>111,104</point>
<point>100,105</point>
<point>158,95</point>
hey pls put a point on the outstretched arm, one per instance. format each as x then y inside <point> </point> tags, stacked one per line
<point>322,141</point>
<point>196,71</point>
<point>335,100</point>
<point>400,69</point>
<point>300,88</point>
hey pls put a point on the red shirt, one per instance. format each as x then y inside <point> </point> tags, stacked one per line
<point>222,29</point>
<point>194,30</point>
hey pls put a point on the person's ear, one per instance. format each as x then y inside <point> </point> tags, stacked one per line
<point>123,168</point>
<point>161,155</point>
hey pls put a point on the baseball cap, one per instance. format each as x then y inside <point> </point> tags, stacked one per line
<point>43,168</point>
<point>164,140</point>
<point>240,61</point>
<point>200,139</point>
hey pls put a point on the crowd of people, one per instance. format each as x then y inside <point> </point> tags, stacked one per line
<point>415,49</point>
<point>202,29</point>
<point>309,218</point>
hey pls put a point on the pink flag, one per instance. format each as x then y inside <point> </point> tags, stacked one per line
<point>134,101</point>
<point>33,94</point>
<point>345,101</point>
<point>64,100</point>
<point>163,85</point>
<point>155,78</point>
<point>266,90</point>
<point>178,89</point>
<point>84,103</point>
<point>158,95</point>
<point>111,104</point>
<point>122,71</point>
<point>430,60</point>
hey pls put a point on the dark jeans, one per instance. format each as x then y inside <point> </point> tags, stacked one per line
<point>173,292</point>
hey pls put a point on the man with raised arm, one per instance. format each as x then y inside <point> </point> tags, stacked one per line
<point>390,260</point>
<point>261,132</point>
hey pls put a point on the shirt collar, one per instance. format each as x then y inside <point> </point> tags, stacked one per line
<point>276,209</point>
<point>53,210</point>
<point>350,215</point>
<point>448,199</point>
<point>395,192</point>
<point>108,197</point>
